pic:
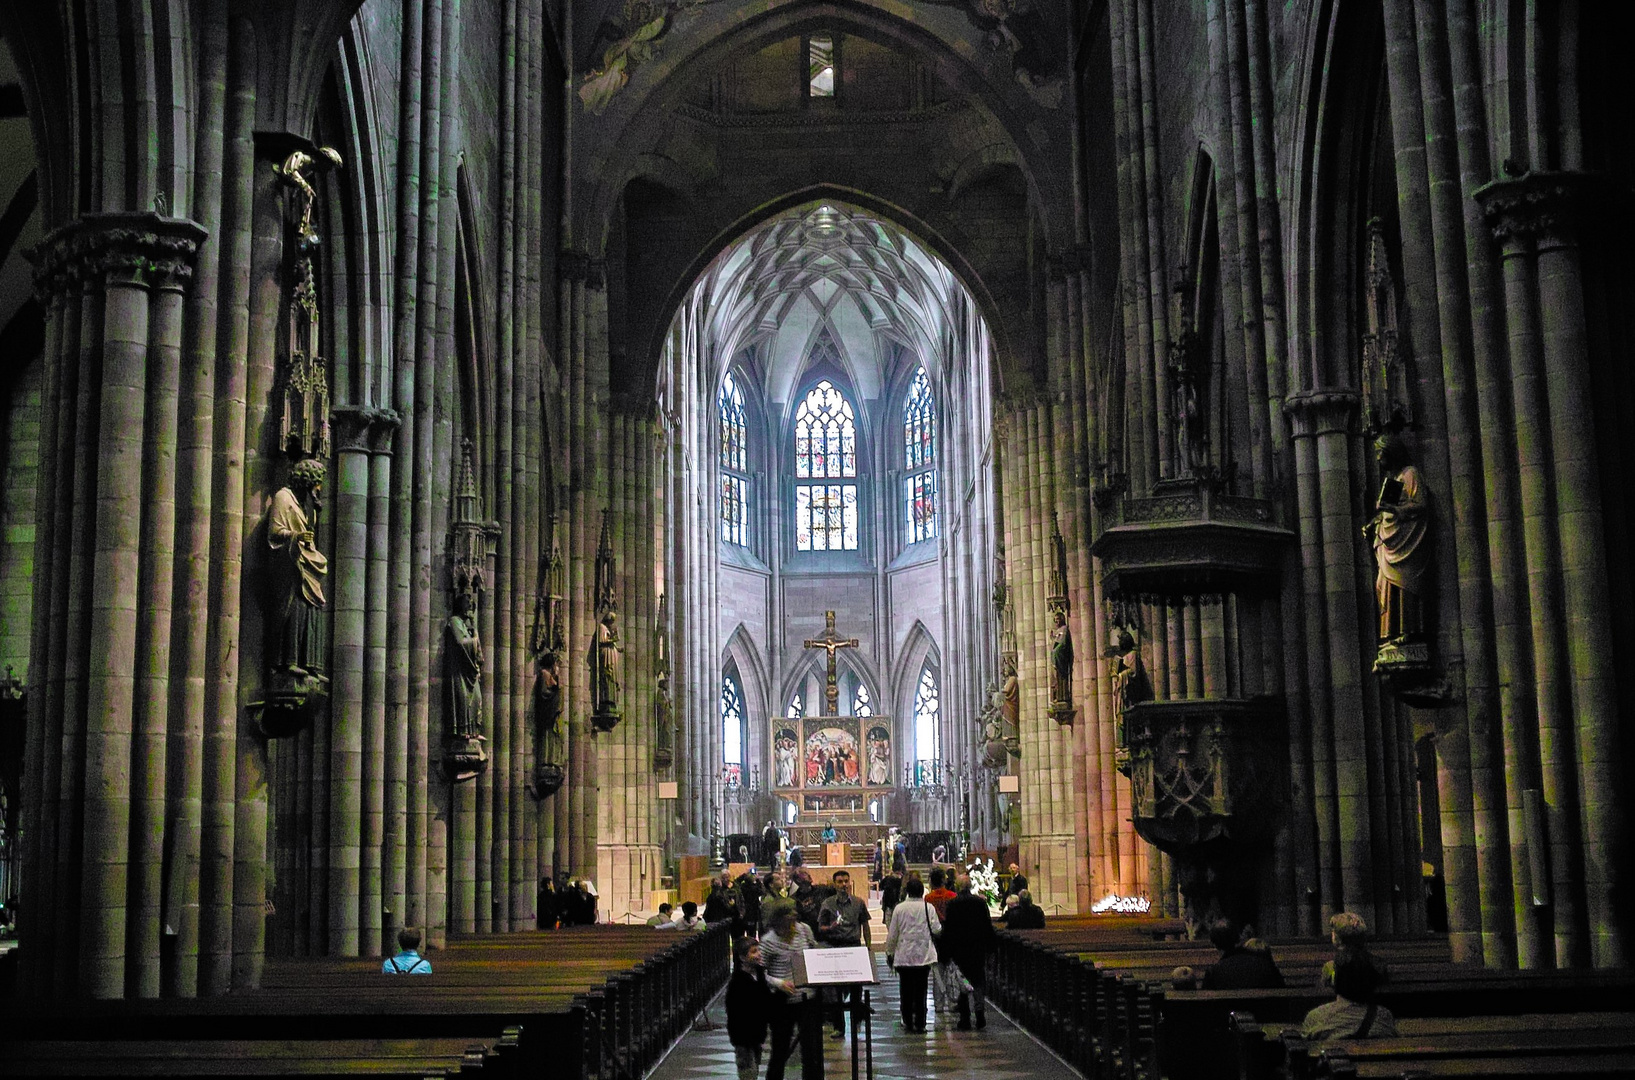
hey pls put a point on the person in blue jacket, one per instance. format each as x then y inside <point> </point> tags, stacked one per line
<point>408,961</point>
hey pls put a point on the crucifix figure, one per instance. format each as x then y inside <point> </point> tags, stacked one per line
<point>831,641</point>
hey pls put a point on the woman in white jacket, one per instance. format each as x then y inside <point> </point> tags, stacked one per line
<point>911,949</point>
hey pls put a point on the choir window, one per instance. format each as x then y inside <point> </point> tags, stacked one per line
<point>926,704</point>
<point>920,460</point>
<point>797,708</point>
<point>732,731</point>
<point>861,705</point>
<point>825,451</point>
<point>734,464</point>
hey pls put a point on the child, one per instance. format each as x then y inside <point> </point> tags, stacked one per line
<point>748,997</point>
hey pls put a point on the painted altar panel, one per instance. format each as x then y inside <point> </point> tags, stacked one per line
<point>830,754</point>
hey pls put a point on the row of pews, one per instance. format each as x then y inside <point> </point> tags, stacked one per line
<point>1097,991</point>
<point>593,1003</point>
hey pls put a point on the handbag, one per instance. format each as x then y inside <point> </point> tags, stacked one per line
<point>936,938</point>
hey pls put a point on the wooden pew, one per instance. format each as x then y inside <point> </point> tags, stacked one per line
<point>596,1003</point>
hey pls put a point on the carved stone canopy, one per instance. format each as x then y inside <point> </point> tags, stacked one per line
<point>1188,537</point>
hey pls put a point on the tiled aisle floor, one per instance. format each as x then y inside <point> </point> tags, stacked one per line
<point>1001,1052</point>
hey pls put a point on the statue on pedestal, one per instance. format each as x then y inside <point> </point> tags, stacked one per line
<point>1400,533</point>
<point>548,642</point>
<point>1061,667</point>
<point>464,677</point>
<point>300,646</point>
<point>605,710</point>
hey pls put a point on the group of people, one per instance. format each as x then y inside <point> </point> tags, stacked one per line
<point>572,905</point>
<point>937,939</point>
<point>1355,976</point>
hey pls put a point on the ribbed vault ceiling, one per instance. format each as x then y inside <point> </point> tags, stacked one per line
<point>828,265</point>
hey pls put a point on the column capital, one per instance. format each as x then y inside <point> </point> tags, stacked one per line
<point>364,429</point>
<point>1320,412</point>
<point>142,248</point>
<point>1536,206</point>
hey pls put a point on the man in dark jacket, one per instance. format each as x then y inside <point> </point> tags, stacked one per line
<point>722,905</point>
<point>1239,968</point>
<point>967,938</point>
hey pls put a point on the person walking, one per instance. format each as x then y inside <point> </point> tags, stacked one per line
<point>944,986</point>
<point>794,1011</point>
<point>967,939</point>
<point>911,951</point>
<point>749,1002</point>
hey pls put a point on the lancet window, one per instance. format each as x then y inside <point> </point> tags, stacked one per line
<point>732,730</point>
<point>920,460</point>
<point>825,471</point>
<point>861,705</point>
<point>927,702</point>
<point>734,464</point>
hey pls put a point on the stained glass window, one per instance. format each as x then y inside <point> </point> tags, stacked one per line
<point>920,423</point>
<point>920,458</point>
<point>797,708</point>
<point>734,447</point>
<point>926,703</point>
<point>825,448</point>
<point>732,730</point>
<point>820,71</point>
<point>734,462</point>
<point>734,515</point>
<point>861,705</point>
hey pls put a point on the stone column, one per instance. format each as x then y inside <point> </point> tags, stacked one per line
<point>133,268</point>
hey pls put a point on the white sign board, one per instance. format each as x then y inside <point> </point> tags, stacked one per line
<point>834,967</point>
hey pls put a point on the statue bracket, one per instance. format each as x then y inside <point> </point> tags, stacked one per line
<point>548,779</point>
<point>1403,665</point>
<point>290,705</point>
<point>464,757</point>
<point>606,720</point>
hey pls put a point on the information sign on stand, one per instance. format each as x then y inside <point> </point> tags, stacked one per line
<point>835,967</point>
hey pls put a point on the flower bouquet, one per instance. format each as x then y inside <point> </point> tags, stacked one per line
<point>985,883</point>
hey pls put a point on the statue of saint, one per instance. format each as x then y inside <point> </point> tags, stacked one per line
<point>1129,679</point>
<point>465,668</point>
<point>300,646</point>
<point>607,664</point>
<point>1010,691</point>
<point>786,755</point>
<point>548,690</point>
<point>1061,662</point>
<point>1400,533</point>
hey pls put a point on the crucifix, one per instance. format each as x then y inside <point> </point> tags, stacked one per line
<point>831,641</point>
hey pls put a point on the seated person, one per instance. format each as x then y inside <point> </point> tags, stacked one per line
<point>1027,915</point>
<point>408,961</point>
<point>1239,968</point>
<point>1353,1014</point>
<point>795,858</point>
<point>829,834</point>
<point>663,919</point>
<point>1349,933</point>
<point>690,918</point>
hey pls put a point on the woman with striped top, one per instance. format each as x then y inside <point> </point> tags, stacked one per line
<point>792,1007</point>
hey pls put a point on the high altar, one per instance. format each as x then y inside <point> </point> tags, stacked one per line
<point>837,770</point>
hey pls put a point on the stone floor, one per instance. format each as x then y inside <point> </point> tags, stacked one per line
<point>1001,1052</point>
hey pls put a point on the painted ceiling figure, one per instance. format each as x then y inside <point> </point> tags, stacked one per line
<point>1400,533</point>
<point>301,644</point>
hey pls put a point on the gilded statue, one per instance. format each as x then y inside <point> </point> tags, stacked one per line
<point>300,646</point>
<point>1400,533</point>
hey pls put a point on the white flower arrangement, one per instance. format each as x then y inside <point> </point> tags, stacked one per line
<point>985,883</point>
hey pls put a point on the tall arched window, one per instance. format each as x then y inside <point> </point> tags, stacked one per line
<point>734,464</point>
<point>861,705</point>
<point>797,708</point>
<point>920,459</point>
<point>926,703</point>
<point>732,730</point>
<point>825,450</point>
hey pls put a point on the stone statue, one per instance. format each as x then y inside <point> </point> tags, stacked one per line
<point>300,647</point>
<point>465,669</point>
<point>1011,690</point>
<point>607,664</point>
<point>1061,663</point>
<point>1400,533</point>
<point>1129,677</point>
